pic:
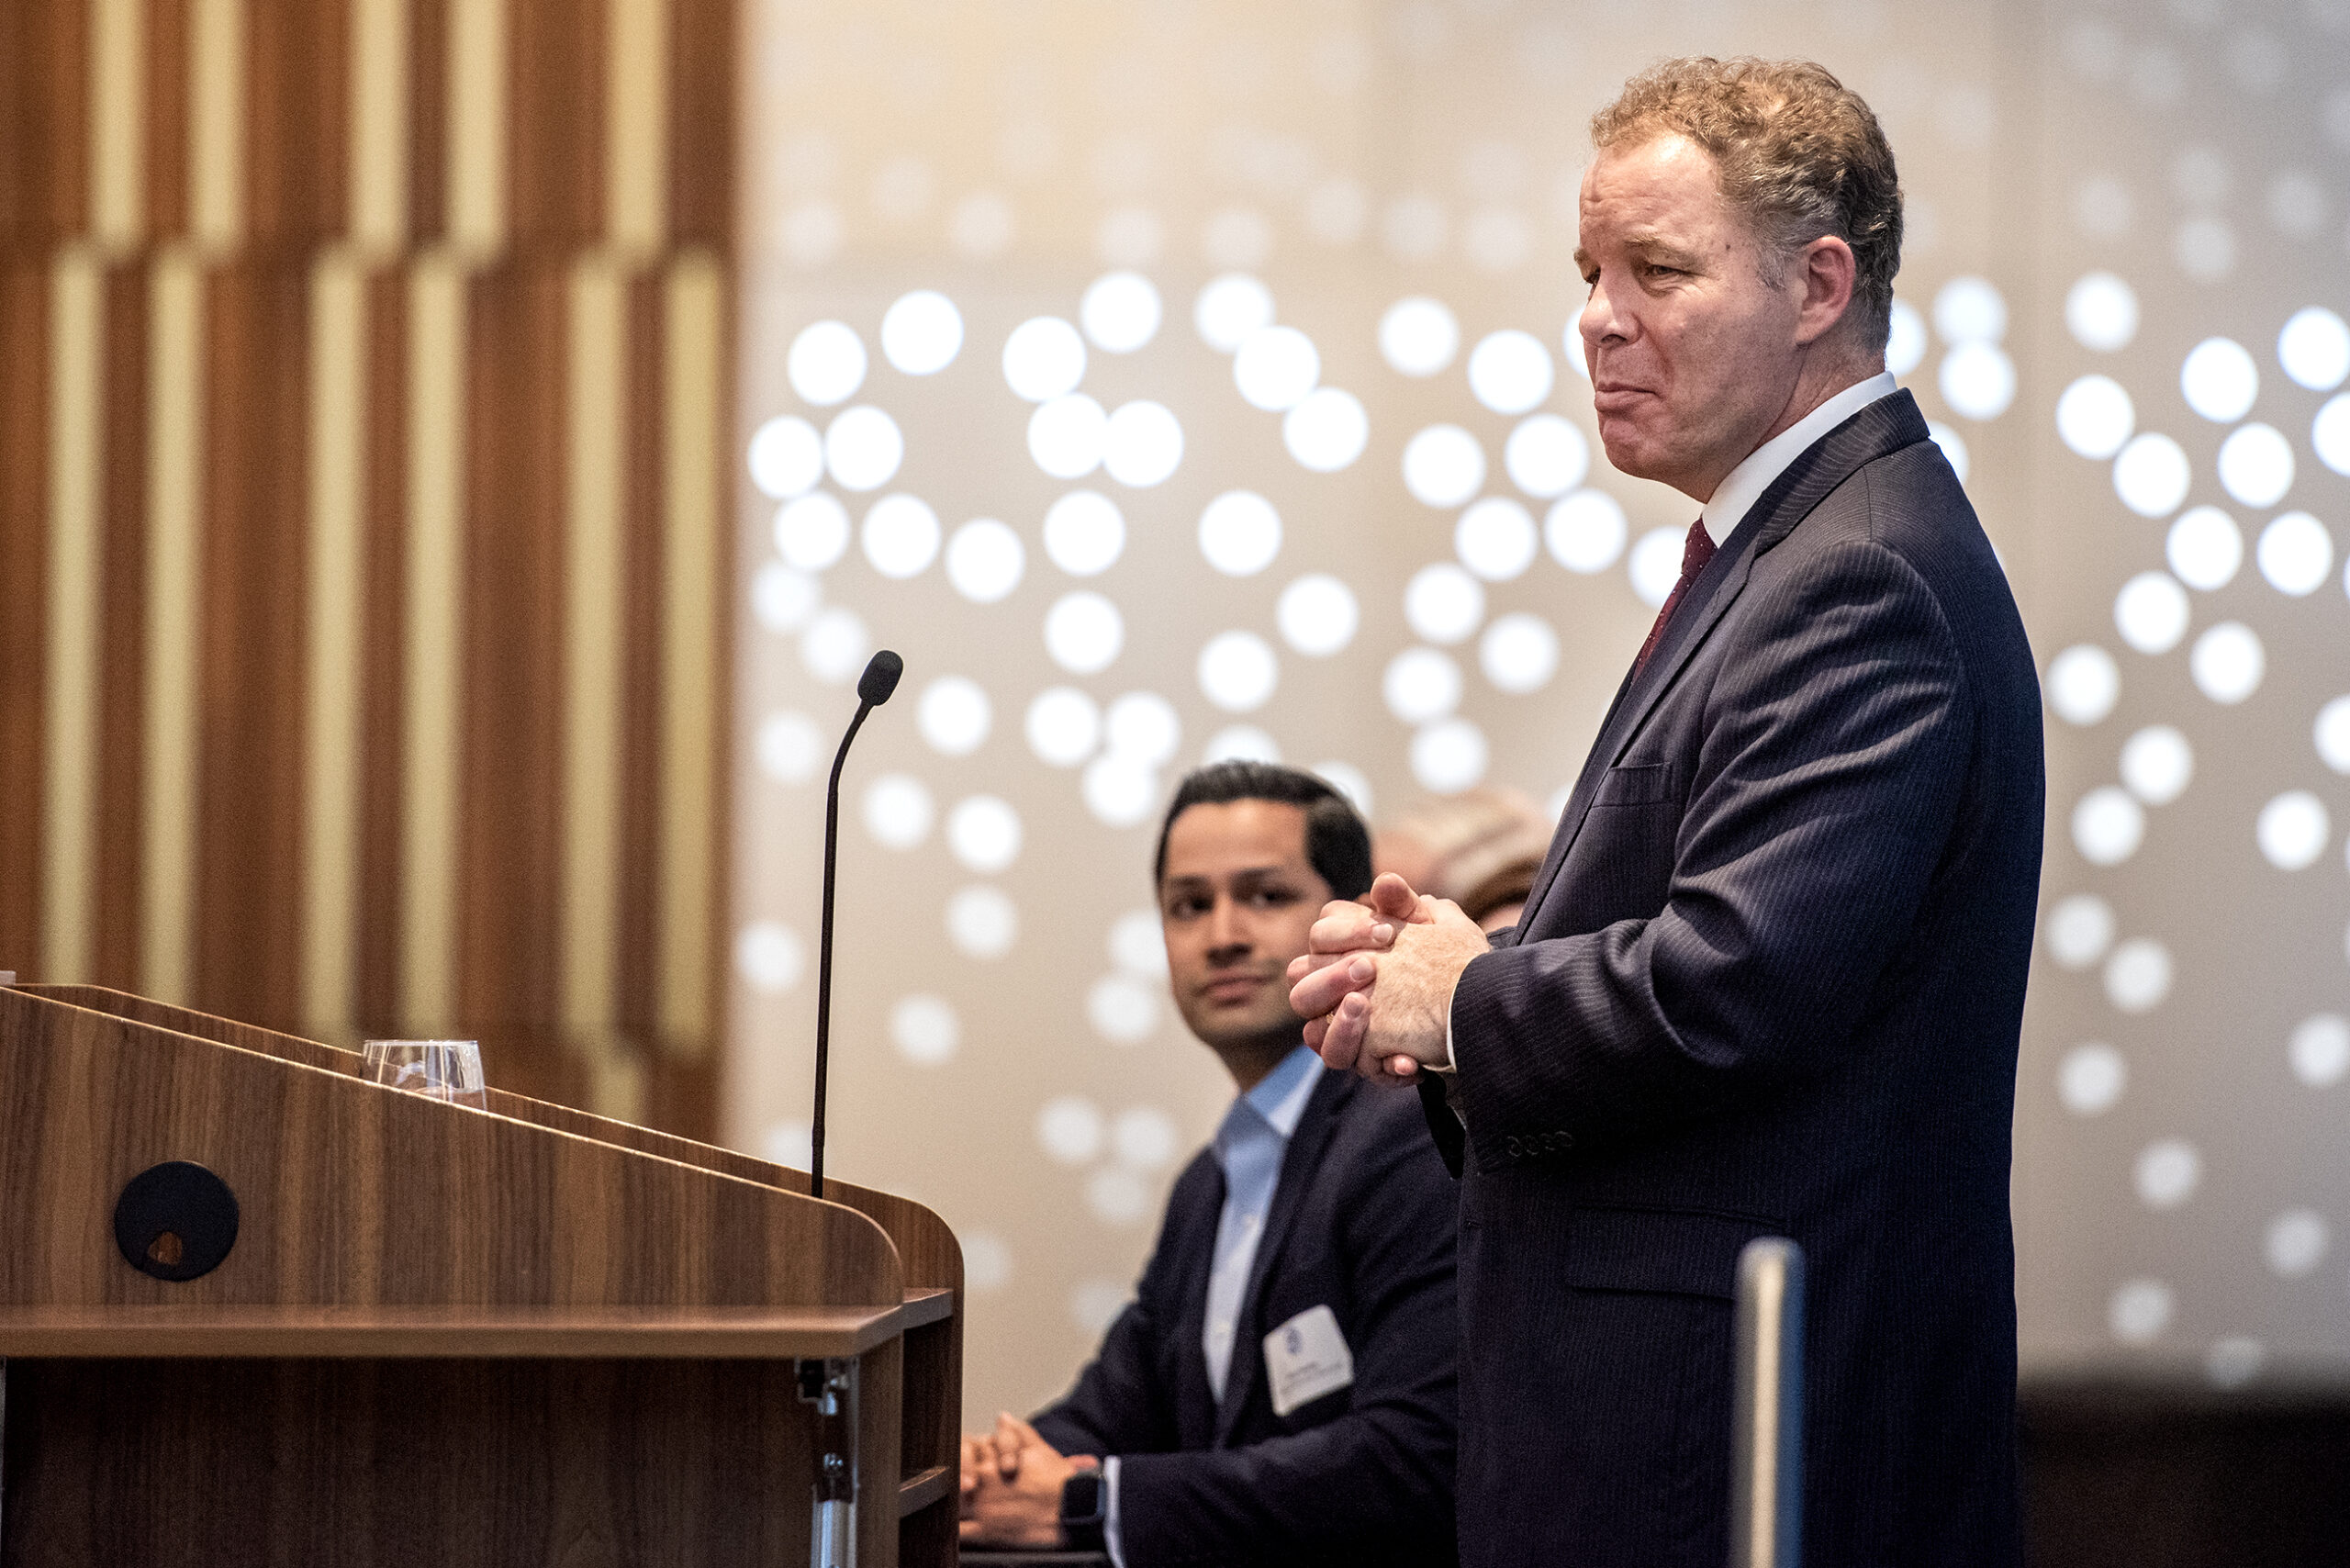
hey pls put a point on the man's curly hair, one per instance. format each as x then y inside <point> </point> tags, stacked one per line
<point>1800,155</point>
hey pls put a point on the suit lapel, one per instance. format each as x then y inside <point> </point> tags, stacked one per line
<point>1195,1409</point>
<point>1316,1127</point>
<point>1885,426</point>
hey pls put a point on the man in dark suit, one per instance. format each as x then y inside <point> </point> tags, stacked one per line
<point>1282,1390</point>
<point>1771,976</point>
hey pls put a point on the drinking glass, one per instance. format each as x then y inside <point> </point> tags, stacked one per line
<point>440,1070</point>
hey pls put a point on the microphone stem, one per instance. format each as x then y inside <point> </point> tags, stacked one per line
<point>824,956</point>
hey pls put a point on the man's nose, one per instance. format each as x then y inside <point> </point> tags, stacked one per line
<point>1227,938</point>
<point>1599,322</point>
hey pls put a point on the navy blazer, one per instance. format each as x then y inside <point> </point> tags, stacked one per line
<point>1770,981</point>
<point>1362,1222</point>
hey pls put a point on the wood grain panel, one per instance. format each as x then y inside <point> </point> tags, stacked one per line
<point>44,123</point>
<point>509,838</point>
<point>24,609</point>
<point>557,169</point>
<point>428,161</point>
<point>382,679</point>
<point>117,842</point>
<point>171,26</point>
<point>701,142</point>
<point>251,763</point>
<point>636,1002</point>
<point>383,1465</point>
<point>297,87</point>
<point>353,1195</point>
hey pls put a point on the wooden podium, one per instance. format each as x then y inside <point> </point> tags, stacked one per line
<point>437,1336</point>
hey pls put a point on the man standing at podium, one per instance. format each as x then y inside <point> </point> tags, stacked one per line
<point>1771,976</point>
<point>1281,1391</point>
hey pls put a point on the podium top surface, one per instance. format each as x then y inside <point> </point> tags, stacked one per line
<point>389,1333</point>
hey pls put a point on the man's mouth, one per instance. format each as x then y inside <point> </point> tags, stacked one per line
<point>1234,988</point>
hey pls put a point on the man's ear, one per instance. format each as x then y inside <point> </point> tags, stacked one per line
<point>1825,272</point>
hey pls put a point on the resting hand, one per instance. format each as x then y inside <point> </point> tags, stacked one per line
<point>1013,1495</point>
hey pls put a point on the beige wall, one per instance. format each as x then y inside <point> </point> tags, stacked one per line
<point>1349,156</point>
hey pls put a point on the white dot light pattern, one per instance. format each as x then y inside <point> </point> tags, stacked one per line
<point>1317,615</point>
<point>1121,312</point>
<point>1043,358</point>
<point>1418,336</point>
<point>826,364</point>
<point>787,457</point>
<point>985,560</point>
<point>861,505</point>
<point>922,333</point>
<point>1443,466</point>
<point>1496,539</point>
<point>1240,533</point>
<point>1546,456</point>
<point>1510,373</point>
<point>1238,671</point>
<point>1327,429</point>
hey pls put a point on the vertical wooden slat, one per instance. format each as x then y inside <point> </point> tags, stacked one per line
<point>383,680</point>
<point>701,144</point>
<point>249,903</point>
<point>559,104</point>
<point>433,595</point>
<point>169,78</point>
<point>218,44</point>
<point>75,350</point>
<point>381,39</point>
<point>118,123</point>
<point>428,55</point>
<point>594,451</point>
<point>118,856</point>
<point>337,385</point>
<point>510,830</point>
<point>23,617</point>
<point>479,124</point>
<point>44,124</point>
<point>298,123</point>
<point>692,375</point>
<point>174,469</point>
<point>633,1000</point>
<point>636,118</point>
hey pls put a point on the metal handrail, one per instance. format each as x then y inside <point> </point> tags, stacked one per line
<point>1766,1473</point>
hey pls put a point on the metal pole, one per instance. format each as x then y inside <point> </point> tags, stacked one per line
<point>1766,1473</point>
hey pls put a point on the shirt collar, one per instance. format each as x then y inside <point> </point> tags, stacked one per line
<point>1736,495</point>
<point>1280,1098</point>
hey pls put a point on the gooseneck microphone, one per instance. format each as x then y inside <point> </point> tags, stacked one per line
<point>873,689</point>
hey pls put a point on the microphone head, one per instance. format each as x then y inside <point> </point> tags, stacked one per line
<point>880,679</point>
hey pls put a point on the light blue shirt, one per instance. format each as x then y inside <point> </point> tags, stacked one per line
<point>1249,1145</point>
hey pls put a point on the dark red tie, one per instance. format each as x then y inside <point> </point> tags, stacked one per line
<point>1693,556</point>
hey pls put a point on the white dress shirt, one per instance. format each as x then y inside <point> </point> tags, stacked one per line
<point>1726,509</point>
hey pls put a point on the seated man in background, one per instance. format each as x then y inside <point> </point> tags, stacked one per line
<point>1281,1391</point>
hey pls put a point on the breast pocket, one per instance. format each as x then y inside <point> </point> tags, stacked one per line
<point>1621,866</point>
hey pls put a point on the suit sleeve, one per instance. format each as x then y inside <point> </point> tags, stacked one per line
<point>1836,743</point>
<point>1120,1404</point>
<point>1375,1481</point>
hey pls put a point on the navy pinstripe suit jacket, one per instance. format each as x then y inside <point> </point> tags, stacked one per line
<point>1770,981</point>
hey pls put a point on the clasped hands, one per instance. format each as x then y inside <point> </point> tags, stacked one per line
<point>1375,982</point>
<point>1011,1486</point>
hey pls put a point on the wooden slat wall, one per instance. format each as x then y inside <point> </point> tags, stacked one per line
<point>311,400</point>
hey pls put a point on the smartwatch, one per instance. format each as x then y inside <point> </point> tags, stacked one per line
<point>1085,1503</point>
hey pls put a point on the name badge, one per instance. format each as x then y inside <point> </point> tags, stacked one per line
<point>1308,1358</point>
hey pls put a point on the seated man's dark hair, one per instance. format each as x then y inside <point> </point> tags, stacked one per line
<point>1337,846</point>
